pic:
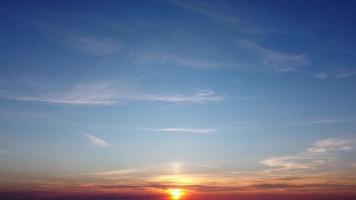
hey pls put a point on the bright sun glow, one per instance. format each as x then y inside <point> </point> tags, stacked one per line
<point>176,194</point>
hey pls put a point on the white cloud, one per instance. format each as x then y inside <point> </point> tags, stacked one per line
<point>83,94</point>
<point>295,123</point>
<point>287,162</point>
<point>328,121</point>
<point>93,45</point>
<point>282,62</point>
<point>315,121</point>
<point>346,74</point>
<point>331,144</point>
<point>97,141</point>
<point>222,12</point>
<point>321,76</point>
<point>209,166</point>
<point>102,93</point>
<point>200,97</point>
<point>315,157</point>
<point>180,130</point>
<point>206,9</point>
<point>180,60</point>
<point>117,172</point>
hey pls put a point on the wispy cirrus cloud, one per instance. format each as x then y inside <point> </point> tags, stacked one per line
<point>306,122</point>
<point>207,9</point>
<point>119,173</point>
<point>324,121</point>
<point>207,165</point>
<point>94,140</point>
<point>285,163</point>
<point>80,41</point>
<point>329,121</point>
<point>179,60</point>
<point>339,75</point>
<point>315,157</point>
<point>103,93</point>
<point>98,93</point>
<point>180,130</point>
<point>322,76</point>
<point>346,74</point>
<point>222,12</point>
<point>200,97</point>
<point>93,45</point>
<point>278,61</point>
<point>330,144</point>
<point>97,141</point>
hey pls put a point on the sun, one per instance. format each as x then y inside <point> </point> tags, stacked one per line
<point>176,194</point>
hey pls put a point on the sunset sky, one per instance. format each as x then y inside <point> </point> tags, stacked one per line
<point>178,98</point>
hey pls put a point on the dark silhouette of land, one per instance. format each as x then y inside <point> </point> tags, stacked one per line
<point>55,196</point>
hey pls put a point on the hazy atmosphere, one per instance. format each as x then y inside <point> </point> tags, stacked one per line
<point>178,99</point>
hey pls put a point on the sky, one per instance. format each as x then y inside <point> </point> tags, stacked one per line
<point>210,97</point>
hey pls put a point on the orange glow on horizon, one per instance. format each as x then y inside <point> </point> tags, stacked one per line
<point>176,194</point>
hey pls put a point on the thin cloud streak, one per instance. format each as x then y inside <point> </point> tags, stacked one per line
<point>97,141</point>
<point>200,97</point>
<point>331,144</point>
<point>329,121</point>
<point>314,157</point>
<point>98,93</point>
<point>285,163</point>
<point>279,61</point>
<point>180,130</point>
<point>104,94</point>
<point>346,74</point>
<point>210,166</point>
<point>310,122</point>
<point>322,76</point>
<point>94,140</point>
<point>179,60</point>
<point>116,172</point>
<point>95,46</point>
<point>207,10</point>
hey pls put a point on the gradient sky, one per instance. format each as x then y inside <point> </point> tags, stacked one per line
<point>210,96</point>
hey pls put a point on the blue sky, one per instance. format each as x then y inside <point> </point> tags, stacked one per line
<point>219,87</point>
